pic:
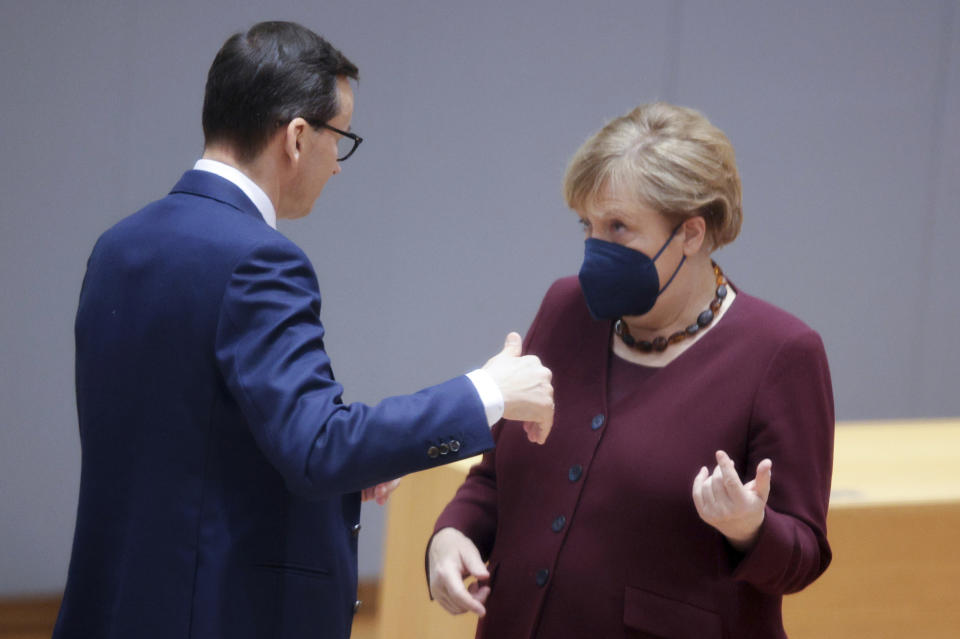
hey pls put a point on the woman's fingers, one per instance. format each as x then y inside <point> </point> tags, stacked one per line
<point>726,503</point>
<point>732,484</point>
<point>445,591</point>
<point>718,492</point>
<point>480,593</point>
<point>459,597</point>
<point>762,481</point>
<point>473,564</point>
<point>450,557</point>
<point>698,483</point>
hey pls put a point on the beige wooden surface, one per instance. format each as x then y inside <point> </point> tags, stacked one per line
<point>894,526</point>
<point>405,611</point>
<point>896,462</point>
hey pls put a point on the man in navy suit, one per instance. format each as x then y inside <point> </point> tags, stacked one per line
<point>221,472</point>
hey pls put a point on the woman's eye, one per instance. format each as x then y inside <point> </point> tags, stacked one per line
<point>618,226</point>
<point>584,224</point>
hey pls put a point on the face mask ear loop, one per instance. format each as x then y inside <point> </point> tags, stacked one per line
<point>667,243</point>
<point>675,271</point>
<point>682,260</point>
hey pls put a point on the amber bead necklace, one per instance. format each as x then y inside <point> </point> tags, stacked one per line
<point>660,343</point>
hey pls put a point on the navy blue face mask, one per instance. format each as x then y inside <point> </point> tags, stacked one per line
<point>618,281</point>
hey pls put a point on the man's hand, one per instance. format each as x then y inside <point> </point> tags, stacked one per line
<point>733,508</point>
<point>526,388</point>
<point>450,558</point>
<point>380,492</point>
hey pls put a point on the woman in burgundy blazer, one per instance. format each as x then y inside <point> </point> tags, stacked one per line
<point>685,484</point>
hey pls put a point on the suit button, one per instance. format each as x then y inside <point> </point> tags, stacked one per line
<point>597,422</point>
<point>575,472</point>
<point>433,452</point>
<point>356,606</point>
<point>355,530</point>
<point>454,446</point>
<point>444,449</point>
<point>559,523</point>
<point>542,576</point>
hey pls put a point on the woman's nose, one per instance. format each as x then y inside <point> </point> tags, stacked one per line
<point>597,234</point>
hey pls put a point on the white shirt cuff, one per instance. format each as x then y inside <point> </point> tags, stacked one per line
<point>489,393</point>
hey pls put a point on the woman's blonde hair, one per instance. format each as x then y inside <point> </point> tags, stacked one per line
<point>671,158</point>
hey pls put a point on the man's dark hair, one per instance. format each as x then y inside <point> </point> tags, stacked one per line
<point>264,78</point>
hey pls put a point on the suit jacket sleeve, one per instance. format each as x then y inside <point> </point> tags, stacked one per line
<point>269,349</point>
<point>792,425</point>
<point>473,510</point>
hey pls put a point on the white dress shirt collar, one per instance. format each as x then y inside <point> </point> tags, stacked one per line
<point>244,183</point>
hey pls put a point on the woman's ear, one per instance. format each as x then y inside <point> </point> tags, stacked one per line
<point>694,234</point>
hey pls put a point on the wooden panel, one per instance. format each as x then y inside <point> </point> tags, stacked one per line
<point>28,617</point>
<point>895,574</point>
<point>894,526</point>
<point>405,610</point>
<point>896,462</point>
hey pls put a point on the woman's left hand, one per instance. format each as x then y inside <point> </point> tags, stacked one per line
<point>732,507</point>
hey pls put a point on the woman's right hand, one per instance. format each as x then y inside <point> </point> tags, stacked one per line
<point>451,557</point>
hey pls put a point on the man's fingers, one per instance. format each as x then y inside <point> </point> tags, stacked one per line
<point>383,494</point>
<point>544,429</point>
<point>530,428</point>
<point>537,432</point>
<point>513,345</point>
<point>380,492</point>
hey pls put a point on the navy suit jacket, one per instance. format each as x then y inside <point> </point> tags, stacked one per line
<point>220,468</point>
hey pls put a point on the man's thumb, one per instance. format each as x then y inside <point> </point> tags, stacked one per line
<point>513,345</point>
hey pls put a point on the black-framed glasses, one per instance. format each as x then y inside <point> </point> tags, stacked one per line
<point>346,144</point>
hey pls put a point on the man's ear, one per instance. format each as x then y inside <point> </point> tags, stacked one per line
<point>294,138</point>
<point>694,234</point>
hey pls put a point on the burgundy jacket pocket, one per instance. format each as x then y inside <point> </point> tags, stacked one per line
<point>659,616</point>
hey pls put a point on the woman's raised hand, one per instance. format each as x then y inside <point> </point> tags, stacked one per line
<point>732,507</point>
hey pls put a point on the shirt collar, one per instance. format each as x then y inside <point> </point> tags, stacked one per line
<point>250,188</point>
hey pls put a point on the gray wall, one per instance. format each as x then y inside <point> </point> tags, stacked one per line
<point>445,229</point>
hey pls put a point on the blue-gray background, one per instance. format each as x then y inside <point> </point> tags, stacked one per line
<point>445,229</point>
